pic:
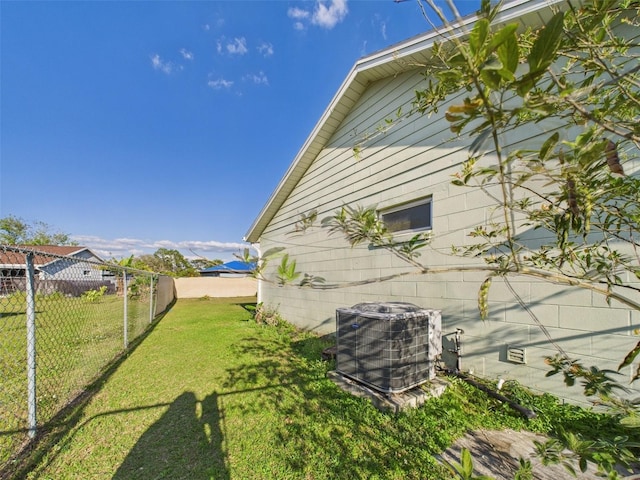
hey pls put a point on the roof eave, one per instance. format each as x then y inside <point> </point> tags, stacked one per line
<point>70,254</point>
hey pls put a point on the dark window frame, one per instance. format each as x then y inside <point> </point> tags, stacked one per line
<point>408,207</point>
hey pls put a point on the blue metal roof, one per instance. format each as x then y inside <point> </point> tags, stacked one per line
<point>235,266</point>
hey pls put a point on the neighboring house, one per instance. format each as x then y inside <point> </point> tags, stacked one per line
<point>235,268</point>
<point>408,170</point>
<point>55,263</point>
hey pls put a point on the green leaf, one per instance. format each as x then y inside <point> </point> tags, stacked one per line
<point>546,45</point>
<point>630,356</point>
<point>583,464</point>
<point>466,463</point>
<point>502,36</point>
<point>636,375</point>
<point>287,271</point>
<point>478,36</point>
<point>548,145</point>
<point>632,421</point>
<point>485,8</point>
<point>491,78</point>
<point>458,59</point>
<point>483,298</point>
<point>479,141</point>
<point>509,54</point>
<point>492,63</point>
<point>525,84</point>
<point>357,150</point>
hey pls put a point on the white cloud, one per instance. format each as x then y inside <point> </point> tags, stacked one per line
<point>163,66</point>
<point>327,16</point>
<point>259,79</point>
<point>220,83</point>
<point>378,23</point>
<point>212,246</point>
<point>218,23</point>
<point>124,247</point>
<point>265,49</point>
<point>363,50</point>
<point>298,13</point>
<point>238,46</point>
<point>186,54</point>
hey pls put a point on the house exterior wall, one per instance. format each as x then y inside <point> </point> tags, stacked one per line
<point>416,159</point>
<point>64,269</point>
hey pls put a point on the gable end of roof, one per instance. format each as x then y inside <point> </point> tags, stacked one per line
<point>402,57</point>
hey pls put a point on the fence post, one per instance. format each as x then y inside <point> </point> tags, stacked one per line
<point>31,345</point>
<point>151,300</point>
<point>125,287</point>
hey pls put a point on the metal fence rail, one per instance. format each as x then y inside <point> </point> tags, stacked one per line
<point>63,319</point>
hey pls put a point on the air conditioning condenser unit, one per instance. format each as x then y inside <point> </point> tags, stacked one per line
<point>388,346</point>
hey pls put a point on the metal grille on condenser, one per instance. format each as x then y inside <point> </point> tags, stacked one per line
<point>389,346</point>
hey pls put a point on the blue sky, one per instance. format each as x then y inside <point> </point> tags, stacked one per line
<point>137,125</point>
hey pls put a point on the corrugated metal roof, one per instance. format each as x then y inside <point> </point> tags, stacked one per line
<point>235,266</point>
<point>44,254</point>
<point>398,58</point>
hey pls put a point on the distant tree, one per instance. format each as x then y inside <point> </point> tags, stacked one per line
<point>138,283</point>
<point>16,231</point>
<point>168,262</point>
<point>149,262</point>
<point>119,272</point>
<point>202,263</point>
<point>13,231</point>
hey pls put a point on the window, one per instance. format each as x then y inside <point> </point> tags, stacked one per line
<point>408,217</point>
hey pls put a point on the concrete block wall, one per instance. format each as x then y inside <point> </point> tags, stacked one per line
<point>414,160</point>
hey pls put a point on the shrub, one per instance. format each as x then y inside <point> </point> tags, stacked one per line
<point>94,296</point>
<point>264,315</point>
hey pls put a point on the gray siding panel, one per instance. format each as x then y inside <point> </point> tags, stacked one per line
<point>411,160</point>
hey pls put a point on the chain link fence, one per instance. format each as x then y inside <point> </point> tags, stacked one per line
<point>63,320</point>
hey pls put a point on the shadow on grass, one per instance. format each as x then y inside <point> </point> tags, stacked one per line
<point>186,442</point>
<point>249,306</point>
<point>321,431</point>
<point>180,444</point>
<point>53,432</point>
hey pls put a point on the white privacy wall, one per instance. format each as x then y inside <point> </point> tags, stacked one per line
<point>415,159</point>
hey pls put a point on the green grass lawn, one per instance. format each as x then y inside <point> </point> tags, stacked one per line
<point>209,394</point>
<point>75,340</point>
